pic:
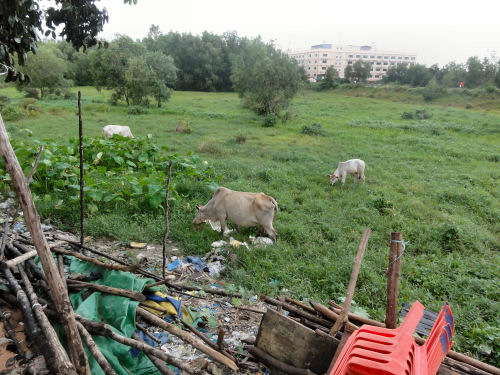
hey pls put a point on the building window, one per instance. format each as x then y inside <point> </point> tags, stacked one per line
<point>376,76</point>
<point>315,61</point>
<point>315,55</point>
<point>413,58</point>
<point>308,68</point>
<point>350,56</point>
<point>378,62</point>
<point>349,62</point>
<point>357,56</point>
<point>392,63</point>
<point>365,56</point>
<point>386,57</point>
<point>324,61</point>
<point>393,57</point>
<point>399,57</point>
<point>379,57</point>
<point>378,69</point>
<point>309,55</point>
<point>323,68</point>
<point>325,55</point>
<point>372,57</point>
<point>385,63</point>
<point>385,70</point>
<point>406,57</point>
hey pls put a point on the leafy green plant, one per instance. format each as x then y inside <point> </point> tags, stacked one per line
<point>183,127</point>
<point>136,110</point>
<point>314,129</point>
<point>269,120</point>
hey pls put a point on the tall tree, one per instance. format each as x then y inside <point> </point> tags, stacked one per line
<point>330,79</point>
<point>21,22</point>
<point>359,71</point>
<point>264,77</point>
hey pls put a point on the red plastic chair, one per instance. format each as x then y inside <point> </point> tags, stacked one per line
<point>383,351</point>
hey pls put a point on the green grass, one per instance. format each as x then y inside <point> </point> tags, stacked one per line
<point>436,180</point>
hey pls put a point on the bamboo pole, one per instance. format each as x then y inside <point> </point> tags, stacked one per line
<point>352,283</point>
<point>58,293</point>
<point>75,284</point>
<point>96,353</point>
<point>396,250</point>
<point>93,260</point>
<point>21,258</point>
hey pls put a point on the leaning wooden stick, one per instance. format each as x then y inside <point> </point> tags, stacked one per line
<point>190,287</point>
<point>352,283</point>
<point>80,149</point>
<point>96,353</point>
<point>21,258</point>
<point>60,357</point>
<point>174,330</point>
<point>101,329</point>
<point>167,223</point>
<point>162,367</point>
<point>58,292</point>
<point>74,284</point>
<point>97,262</point>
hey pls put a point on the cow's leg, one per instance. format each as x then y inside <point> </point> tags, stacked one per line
<point>222,221</point>
<point>343,179</point>
<point>271,232</point>
<point>363,177</point>
<point>355,178</point>
<point>236,228</point>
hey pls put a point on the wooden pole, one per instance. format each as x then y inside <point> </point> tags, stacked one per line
<point>96,353</point>
<point>60,357</point>
<point>21,258</point>
<point>162,367</point>
<point>167,223</point>
<point>93,260</point>
<point>80,148</point>
<point>396,250</point>
<point>174,330</point>
<point>75,284</point>
<point>58,292</point>
<point>283,367</point>
<point>352,283</point>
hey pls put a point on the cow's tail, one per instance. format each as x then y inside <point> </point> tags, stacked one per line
<point>273,201</point>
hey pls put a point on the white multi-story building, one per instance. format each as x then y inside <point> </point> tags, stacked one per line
<point>317,59</point>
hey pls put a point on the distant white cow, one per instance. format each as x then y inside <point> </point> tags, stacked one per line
<point>109,130</point>
<point>355,167</point>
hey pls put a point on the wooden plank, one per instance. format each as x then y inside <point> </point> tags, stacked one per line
<point>295,344</point>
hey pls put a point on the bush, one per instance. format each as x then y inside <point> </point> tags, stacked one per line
<point>184,127</point>
<point>96,107</point>
<point>136,110</point>
<point>11,113</point>
<point>241,138</point>
<point>269,120</point>
<point>3,101</point>
<point>419,114</point>
<point>432,91</point>
<point>27,102</point>
<point>69,95</point>
<point>314,129</point>
<point>211,146</point>
<point>32,93</point>
<point>407,115</point>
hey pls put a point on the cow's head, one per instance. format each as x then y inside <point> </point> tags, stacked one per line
<point>333,178</point>
<point>199,216</point>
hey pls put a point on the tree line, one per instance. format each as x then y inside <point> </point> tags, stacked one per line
<point>474,73</point>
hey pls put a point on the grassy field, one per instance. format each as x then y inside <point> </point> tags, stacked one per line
<point>436,180</point>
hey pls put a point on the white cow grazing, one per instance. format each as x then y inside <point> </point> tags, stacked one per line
<point>109,130</point>
<point>355,167</point>
<point>242,208</point>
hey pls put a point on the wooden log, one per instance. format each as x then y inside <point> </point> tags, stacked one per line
<point>96,353</point>
<point>33,267</point>
<point>21,258</point>
<point>58,293</point>
<point>342,319</point>
<point>220,339</point>
<point>396,250</point>
<point>147,333</point>
<point>101,329</point>
<point>297,311</point>
<point>164,369</point>
<point>97,262</point>
<point>60,358</point>
<point>463,368</point>
<point>187,338</point>
<point>268,360</point>
<point>326,312</point>
<point>300,304</point>
<point>3,242</point>
<point>356,318</point>
<point>74,284</point>
<point>167,223</point>
<point>32,327</point>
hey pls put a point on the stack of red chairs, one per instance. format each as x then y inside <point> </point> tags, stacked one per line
<point>382,351</point>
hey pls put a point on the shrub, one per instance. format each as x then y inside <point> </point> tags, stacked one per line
<point>3,101</point>
<point>451,237</point>
<point>407,115</point>
<point>136,110</point>
<point>26,102</point>
<point>96,107</point>
<point>468,106</point>
<point>32,93</point>
<point>432,91</point>
<point>314,129</point>
<point>382,205</point>
<point>241,138</point>
<point>69,95</point>
<point>11,113</point>
<point>269,120</point>
<point>210,146</point>
<point>422,114</point>
<point>184,127</point>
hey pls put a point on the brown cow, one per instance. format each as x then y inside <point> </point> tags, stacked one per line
<point>242,208</point>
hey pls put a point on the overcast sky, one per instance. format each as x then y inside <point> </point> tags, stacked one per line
<point>438,31</point>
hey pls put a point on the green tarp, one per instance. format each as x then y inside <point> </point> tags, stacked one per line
<point>117,312</point>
